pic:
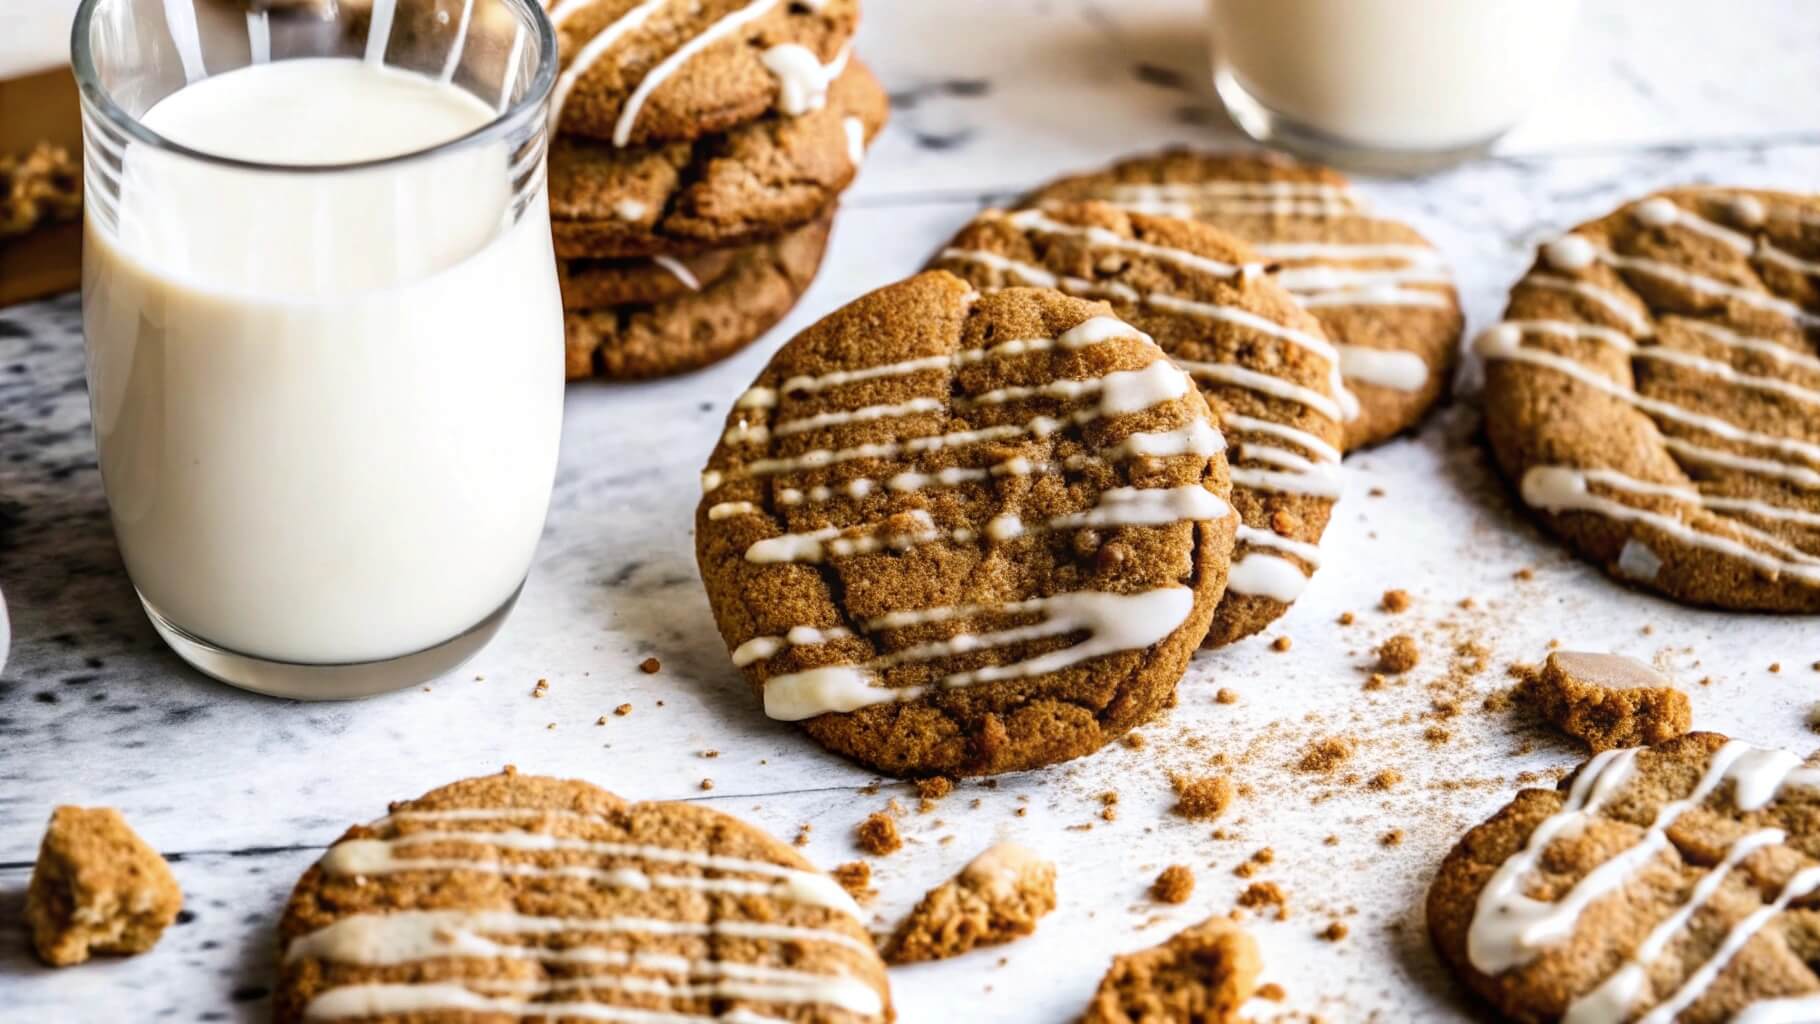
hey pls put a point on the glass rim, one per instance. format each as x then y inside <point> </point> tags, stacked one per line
<point>502,123</point>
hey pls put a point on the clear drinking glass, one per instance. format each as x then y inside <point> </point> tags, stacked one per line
<point>326,391</point>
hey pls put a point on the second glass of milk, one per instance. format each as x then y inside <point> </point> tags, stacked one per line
<point>1396,86</point>
<point>325,342</point>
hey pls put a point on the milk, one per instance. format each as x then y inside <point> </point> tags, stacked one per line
<point>1396,74</point>
<point>327,404</point>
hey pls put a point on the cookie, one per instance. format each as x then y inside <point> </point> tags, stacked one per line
<point>1657,884</point>
<point>43,186</point>
<point>1264,365</point>
<point>1606,700</point>
<point>1200,975</point>
<point>1653,395</point>
<point>1382,292</point>
<point>592,284</point>
<point>97,888</point>
<point>635,72</point>
<point>755,181</point>
<point>696,328</point>
<point>956,535</point>
<point>515,897</point>
<point>999,896</point>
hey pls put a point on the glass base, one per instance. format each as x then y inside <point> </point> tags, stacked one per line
<point>1271,128</point>
<point>341,681</point>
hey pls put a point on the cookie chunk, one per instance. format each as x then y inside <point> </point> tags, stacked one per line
<point>764,177</point>
<point>1607,700</point>
<point>516,897</point>
<point>956,534</point>
<point>1651,395</point>
<point>97,888</point>
<point>1662,883</point>
<point>1381,291</point>
<point>696,328</point>
<point>42,187</point>
<point>1264,365</point>
<point>640,280</point>
<point>644,71</point>
<point>1202,975</point>
<point>999,896</point>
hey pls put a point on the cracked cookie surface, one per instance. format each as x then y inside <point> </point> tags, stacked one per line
<point>960,534</point>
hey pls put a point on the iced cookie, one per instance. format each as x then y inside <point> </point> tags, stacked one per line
<point>770,175</point>
<point>1672,883</point>
<point>698,327</point>
<point>1382,293</point>
<point>1264,365</point>
<point>514,897</point>
<point>959,534</point>
<point>97,888</point>
<point>1653,394</point>
<point>595,284</point>
<point>1200,975</point>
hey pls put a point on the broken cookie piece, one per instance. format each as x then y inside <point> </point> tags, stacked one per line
<point>997,897</point>
<point>97,888</point>
<point>1200,976</point>
<point>1607,700</point>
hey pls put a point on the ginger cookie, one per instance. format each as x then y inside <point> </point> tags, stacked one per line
<point>1607,700</point>
<point>1381,291</point>
<point>956,534</point>
<point>97,888</point>
<point>763,177</point>
<point>696,328</point>
<point>1657,884</point>
<point>1202,974</point>
<point>645,71</point>
<point>1264,365</point>
<point>640,280</point>
<point>999,896</point>
<point>515,897</point>
<point>1653,394</point>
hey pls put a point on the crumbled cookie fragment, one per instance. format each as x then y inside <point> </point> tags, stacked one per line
<point>999,896</point>
<point>42,187</point>
<point>1202,797</point>
<point>1347,618</point>
<point>1174,885</point>
<point>1324,755</point>
<point>877,835</point>
<point>1395,601</point>
<point>1398,654</point>
<point>542,688</point>
<point>1281,644</point>
<point>707,784</point>
<point>623,710</point>
<point>1201,975</point>
<point>1261,895</point>
<point>1226,695</point>
<point>97,888</point>
<point>932,789</point>
<point>1334,932</point>
<point>1606,700</point>
<point>1394,837</point>
<point>1386,779</point>
<point>650,666</point>
<point>855,876</point>
<point>1135,740</point>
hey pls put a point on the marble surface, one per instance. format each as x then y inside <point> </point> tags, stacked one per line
<point>243,792</point>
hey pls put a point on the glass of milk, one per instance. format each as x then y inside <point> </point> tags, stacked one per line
<point>1394,86</point>
<point>325,343</point>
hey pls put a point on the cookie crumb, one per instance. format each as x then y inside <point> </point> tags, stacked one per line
<point>1226,695</point>
<point>1385,779</point>
<point>650,666</point>
<point>1375,681</point>
<point>1202,797</point>
<point>1525,574</point>
<point>707,784</point>
<point>1174,885</point>
<point>1204,973</point>
<point>855,876</point>
<point>1272,992</point>
<point>1395,601</point>
<point>1347,618</point>
<point>1394,837</point>
<point>542,687</point>
<point>802,834</point>
<point>931,789</point>
<point>1606,700</point>
<point>1135,740</point>
<point>602,720</point>
<point>623,710</point>
<point>999,896</point>
<point>1324,755</point>
<point>1334,932</point>
<point>1281,644</point>
<point>1398,654</point>
<point>1775,666</point>
<point>1262,895</point>
<point>877,835</point>
<point>97,887</point>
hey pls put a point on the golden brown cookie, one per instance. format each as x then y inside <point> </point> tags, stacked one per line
<point>1201,975</point>
<point>759,179</point>
<point>516,897</point>
<point>999,896</point>
<point>1382,292</point>
<point>97,888</point>
<point>641,280</point>
<point>1264,365</point>
<point>1654,395</point>
<point>1607,700</point>
<point>1672,883</point>
<point>696,328</point>
<point>644,71</point>
<point>958,534</point>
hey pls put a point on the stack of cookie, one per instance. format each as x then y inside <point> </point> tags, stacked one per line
<point>699,150</point>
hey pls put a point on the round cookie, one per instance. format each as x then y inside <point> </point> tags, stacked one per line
<point>1381,291</point>
<point>1657,884</point>
<point>1264,365</point>
<point>515,897</point>
<point>592,284</point>
<point>959,534</point>
<point>755,181</point>
<point>1654,395</point>
<point>691,330</point>
<point>635,72</point>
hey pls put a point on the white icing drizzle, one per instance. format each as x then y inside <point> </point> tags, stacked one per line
<point>1746,506</point>
<point>802,79</point>
<point>1802,884</point>
<point>1770,254</point>
<point>1341,252</point>
<point>746,433</point>
<point>1223,188</point>
<point>1112,622</point>
<point>1091,331</point>
<point>1611,302</point>
<point>892,410</point>
<point>1321,449</point>
<point>1263,383</point>
<point>383,999</point>
<point>856,139</point>
<point>1661,212</point>
<point>1638,560</point>
<point>729,509</point>
<point>628,115</point>
<point>756,397</point>
<point>1788,1010</point>
<point>592,51</point>
<point>1384,368</point>
<point>1035,220</point>
<point>629,209</point>
<point>1262,574</point>
<point>1679,357</point>
<point>1307,552</point>
<point>1711,286</point>
<point>1373,295</point>
<point>1570,252</point>
<point>762,647</point>
<point>679,271</point>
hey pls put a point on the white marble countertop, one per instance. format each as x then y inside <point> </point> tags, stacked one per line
<point>242,792</point>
